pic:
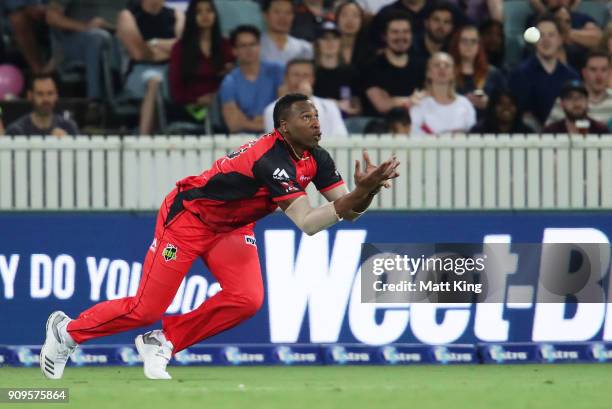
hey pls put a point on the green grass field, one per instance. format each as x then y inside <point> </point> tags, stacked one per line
<point>418,387</point>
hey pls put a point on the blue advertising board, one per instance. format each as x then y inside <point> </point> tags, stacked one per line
<point>70,261</point>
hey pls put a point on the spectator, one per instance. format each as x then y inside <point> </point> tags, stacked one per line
<point>476,79</point>
<point>502,116</point>
<point>443,110</point>
<point>584,30</point>
<point>309,15</point>
<point>538,80</point>
<point>355,47</point>
<point>606,46</point>
<point>439,26</point>
<point>393,77</point>
<point>198,61</point>
<point>85,31</point>
<point>595,74</point>
<point>480,10</point>
<point>418,10</point>
<point>276,43</point>
<point>571,53</point>
<point>250,87</point>
<point>397,121</point>
<point>43,96</point>
<point>26,17</point>
<point>300,78</point>
<point>333,79</point>
<point>574,101</point>
<point>148,30</point>
<point>492,40</point>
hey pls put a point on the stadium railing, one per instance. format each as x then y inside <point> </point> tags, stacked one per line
<point>449,172</point>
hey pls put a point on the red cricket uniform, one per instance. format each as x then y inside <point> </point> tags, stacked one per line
<point>212,216</point>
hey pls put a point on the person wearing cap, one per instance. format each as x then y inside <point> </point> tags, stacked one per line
<point>574,101</point>
<point>335,80</point>
<point>300,79</point>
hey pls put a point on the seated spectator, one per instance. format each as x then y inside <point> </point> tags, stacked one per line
<point>480,10</point>
<point>276,43</point>
<point>355,46</point>
<point>299,79</point>
<point>43,96</point>
<point>397,122</point>
<point>492,40</point>
<point>249,88</point>
<point>198,61</point>
<point>538,80</point>
<point>333,79</point>
<point>85,31</point>
<point>584,30</point>
<point>595,74</point>
<point>443,110</point>
<point>476,79</point>
<point>574,101</point>
<point>309,15</point>
<point>418,10</point>
<point>393,77</point>
<point>439,26</point>
<point>148,30</point>
<point>502,116</point>
<point>26,17</point>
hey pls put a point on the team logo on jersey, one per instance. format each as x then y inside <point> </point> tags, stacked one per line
<point>280,174</point>
<point>250,240</point>
<point>169,252</point>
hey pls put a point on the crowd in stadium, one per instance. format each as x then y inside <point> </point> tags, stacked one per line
<point>415,67</point>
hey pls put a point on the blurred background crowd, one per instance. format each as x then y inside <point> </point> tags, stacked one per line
<point>413,67</point>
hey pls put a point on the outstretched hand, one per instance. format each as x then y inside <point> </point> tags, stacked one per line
<point>374,177</point>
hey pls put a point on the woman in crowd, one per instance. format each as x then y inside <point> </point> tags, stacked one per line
<point>502,115</point>
<point>475,78</point>
<point>355,47</point>
<point>148,30</point>
<point>333,79</point>
<point>198,62</point>
<point>442,110</point>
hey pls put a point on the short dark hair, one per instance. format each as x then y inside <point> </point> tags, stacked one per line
<point>296,61</point>
<point>548,18</point>
<point>242,29</point>
<point>442,6</point>
<point>41,77</point>
<point>283,105</point>
<point>398,15</point>
<point>266,4</point>
<point>596,54</point>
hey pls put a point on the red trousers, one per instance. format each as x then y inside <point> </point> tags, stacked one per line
<point>231,257</point>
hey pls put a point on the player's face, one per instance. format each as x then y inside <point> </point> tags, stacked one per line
<point>280,16</point>
<point>399,36</point>
<point>205,15</point>
<point>43,96</point>
<point>302,125</point>
<point>596,73</point>
<point>439,25</point>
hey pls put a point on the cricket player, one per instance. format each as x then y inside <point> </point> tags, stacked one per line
<point>212,216</point>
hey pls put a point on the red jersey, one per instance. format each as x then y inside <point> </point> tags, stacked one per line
<point>247,184</point>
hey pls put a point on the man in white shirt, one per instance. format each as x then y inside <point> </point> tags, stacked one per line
<point>300,78</point>
<point>276,43</point>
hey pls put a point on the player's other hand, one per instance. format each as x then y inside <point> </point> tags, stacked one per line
<point>374,177</point>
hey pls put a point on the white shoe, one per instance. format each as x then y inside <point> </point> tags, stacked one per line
<point>56,349</point>
<point>156,352</point>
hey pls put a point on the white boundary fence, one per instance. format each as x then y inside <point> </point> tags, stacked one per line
<point>445,172</point>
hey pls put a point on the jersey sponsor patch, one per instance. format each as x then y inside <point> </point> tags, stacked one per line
<point>280,174</point>
<point>169,252</point>
<point>250,240</point>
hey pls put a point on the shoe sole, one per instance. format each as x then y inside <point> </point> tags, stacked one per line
<point>40,355</point>
<point>138,341</point>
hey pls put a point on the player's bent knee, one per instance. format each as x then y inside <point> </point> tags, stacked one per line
<point>147,316</point>
<point>251,303</point>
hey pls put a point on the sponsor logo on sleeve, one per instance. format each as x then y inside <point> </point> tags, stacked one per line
<point>250,240</point>
<point>169,252</point>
